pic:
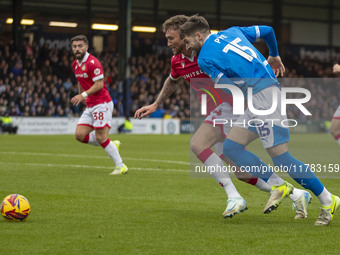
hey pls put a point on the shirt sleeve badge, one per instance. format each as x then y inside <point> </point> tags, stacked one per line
<point>96,71</point>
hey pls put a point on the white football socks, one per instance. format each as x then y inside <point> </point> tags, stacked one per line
<point>93,139</point>
<point>325,198</point>
<point>274,179</point>
<point>113,153</point>
<point>296,194</point>
<point>262,185</point>
<point>215,167</point>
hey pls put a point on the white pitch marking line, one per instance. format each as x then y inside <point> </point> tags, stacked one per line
<point>86,156</point>
<point>98,167</point>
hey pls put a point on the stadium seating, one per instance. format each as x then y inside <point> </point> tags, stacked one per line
<point>39,81</point>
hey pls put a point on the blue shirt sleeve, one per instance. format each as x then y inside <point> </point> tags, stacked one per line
<point>268,35</point>
<point>254,33</point>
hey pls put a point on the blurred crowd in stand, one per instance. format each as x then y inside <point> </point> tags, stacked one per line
<point>39,81</point>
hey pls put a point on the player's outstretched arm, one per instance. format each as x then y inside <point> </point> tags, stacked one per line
<point>169,87</point>
<point>277,65</point>
<point>336,68</point>
<point>145,110</point>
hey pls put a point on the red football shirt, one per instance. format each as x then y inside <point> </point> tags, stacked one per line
<point>87,72</point>
<point>181,66</point>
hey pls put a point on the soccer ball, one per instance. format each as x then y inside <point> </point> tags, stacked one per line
<point>15,207</point>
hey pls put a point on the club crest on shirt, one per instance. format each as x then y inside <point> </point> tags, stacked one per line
<point>183,64</point>
<point>83,67</point>
<point>96,71</point>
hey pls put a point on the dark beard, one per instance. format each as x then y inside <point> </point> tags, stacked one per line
<point>197,48</point>
<point>197,52</point>
<point>80,57</point>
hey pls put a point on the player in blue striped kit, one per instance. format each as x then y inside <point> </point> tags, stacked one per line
<point>229,57</point>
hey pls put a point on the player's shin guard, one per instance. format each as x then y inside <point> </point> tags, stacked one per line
<point>246,160</point>
<point>299,172</point>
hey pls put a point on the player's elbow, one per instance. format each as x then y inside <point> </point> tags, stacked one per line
<point>266,32</point>
<point>266,28</point>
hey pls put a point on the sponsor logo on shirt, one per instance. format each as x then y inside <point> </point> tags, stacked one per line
<point>192,74</point>
<point>82,75</point>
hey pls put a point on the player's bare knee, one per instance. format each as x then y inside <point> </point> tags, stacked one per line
<point>79,137</point>
<point>195,146</point>
<point>277,150</point>
<point>334,130</point>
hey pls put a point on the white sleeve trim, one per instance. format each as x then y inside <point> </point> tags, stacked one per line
<point>98,77</point>
<point>257,32</point>
<point>218,77</point>
<point>172,78</point>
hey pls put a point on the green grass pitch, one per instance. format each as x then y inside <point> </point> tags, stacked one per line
<point>157,208</point>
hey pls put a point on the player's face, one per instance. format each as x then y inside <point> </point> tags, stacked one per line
<point>79,49</point>
<point>174,41</point>
<point>192,43</point>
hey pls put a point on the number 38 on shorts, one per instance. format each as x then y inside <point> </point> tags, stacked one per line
<point>98,116</point>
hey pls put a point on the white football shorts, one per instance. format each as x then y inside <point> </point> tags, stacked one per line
<point>337,113</point>
<point>223,112</point>
<point>272,128</point>
<point>98,116</point>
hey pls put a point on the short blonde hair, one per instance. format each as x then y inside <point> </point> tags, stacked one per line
<point>174,22</point>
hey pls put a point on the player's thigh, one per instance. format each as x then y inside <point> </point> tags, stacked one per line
<point>85,124</point>
<point>241,135</point>
<point>102,134</point>
<point>205,137</point>
<point>335,127</point>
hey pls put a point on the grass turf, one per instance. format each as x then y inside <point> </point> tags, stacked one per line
<point>157,208</point>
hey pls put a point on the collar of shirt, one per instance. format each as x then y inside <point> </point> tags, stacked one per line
<point>84,59</point>
<point>207,38</point>
<point>192,58</point>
